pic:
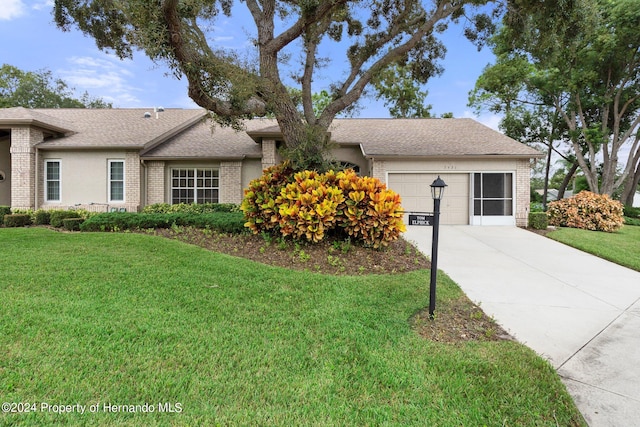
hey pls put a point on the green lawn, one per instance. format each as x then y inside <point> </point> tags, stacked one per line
<point>127,319</point>
<point>622,247</point>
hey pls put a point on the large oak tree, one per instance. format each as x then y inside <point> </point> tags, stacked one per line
<point>365,38</point>
<point>584,63</point>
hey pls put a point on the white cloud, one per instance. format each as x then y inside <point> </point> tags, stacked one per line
<point>107,78</point>
<point>487,119</point>
<point>43,5</point>
<point>10,9</point>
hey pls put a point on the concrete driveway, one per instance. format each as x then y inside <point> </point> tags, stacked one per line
<point>578,311</point>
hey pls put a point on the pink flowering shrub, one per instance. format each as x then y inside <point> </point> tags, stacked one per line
<point>588,211</point>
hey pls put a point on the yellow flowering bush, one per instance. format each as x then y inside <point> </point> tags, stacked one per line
<point>371,212</point>
<point>259,202</point>
<point>588,211</point>
<point>308,205</point>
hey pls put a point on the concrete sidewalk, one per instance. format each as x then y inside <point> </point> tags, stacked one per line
<point>580,312</point>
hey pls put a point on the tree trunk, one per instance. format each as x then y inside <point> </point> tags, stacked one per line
<point>545,192</point>
<point>567,179</point>
<point>631,184</point>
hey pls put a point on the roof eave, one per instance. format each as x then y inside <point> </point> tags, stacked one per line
<point>34,123</point>
<point>453,156</point>
<point>150,145</point>
<point>191,158</point>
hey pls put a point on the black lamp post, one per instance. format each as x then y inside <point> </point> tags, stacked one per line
<point>437,190</point>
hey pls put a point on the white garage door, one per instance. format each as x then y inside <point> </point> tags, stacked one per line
<point>415,190</point>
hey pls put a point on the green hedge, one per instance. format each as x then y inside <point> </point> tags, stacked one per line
<point>17,220</point>
<point>42,217</point>
<point>227,222</point>
<point>538,220</point>
<point>5,210</point>
<point>56,217</point>
<point>631,212</point>
<point>193,208</point>
<point>72,224</point>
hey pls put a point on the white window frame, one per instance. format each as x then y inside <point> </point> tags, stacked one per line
<point>110,180</point>
<point>47,180</point>
<point>195,178</point>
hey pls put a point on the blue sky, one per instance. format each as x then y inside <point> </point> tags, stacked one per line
<point>30,41</point>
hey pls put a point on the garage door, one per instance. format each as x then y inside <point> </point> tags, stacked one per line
<point>415,190</point>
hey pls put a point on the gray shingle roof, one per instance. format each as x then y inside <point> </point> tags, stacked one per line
<point>118,128</point>
<point>426,138</point>
<point>205,140</point>
<point>28,117</point>
<point>178,133</point>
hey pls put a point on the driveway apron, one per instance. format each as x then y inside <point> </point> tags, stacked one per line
<point>576,310</point>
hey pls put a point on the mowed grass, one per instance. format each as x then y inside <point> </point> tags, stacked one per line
<point>621,247</point>
<point>126,319</point>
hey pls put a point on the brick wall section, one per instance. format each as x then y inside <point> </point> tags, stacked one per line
<point>132,189</point>
<point>378,170</point>
<point>230,182</point>
<point>269,154</point>
<point>155,182</point>
<point>523,190</point>
<point>23,166</point>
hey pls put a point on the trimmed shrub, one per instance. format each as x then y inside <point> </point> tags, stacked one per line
<point>17,220</point>
<point>631,221</point>
<point>72,224</point>
<point>538,220</point>
<point>42,217</point>
<point>5,210</point>
<point>259,203</point>
<point>309,205</point>
<point>226,222</point>
<point>371,212</point>
<point>587,211</point>
<point>56,217</point>
<point>631,212</point>
<point>196,208</point>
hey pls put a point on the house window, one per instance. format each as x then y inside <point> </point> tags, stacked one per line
<point>493,194</point>
<point>116,180</point>
<point>52,180</point>
<point>195,185</point>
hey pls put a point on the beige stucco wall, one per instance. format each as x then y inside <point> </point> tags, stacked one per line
<point>251,169</point>
<point>84,176</point>
<point>351,154</point>
<point>5,167</point>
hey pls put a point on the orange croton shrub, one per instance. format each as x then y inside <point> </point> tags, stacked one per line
<point>371,212</point>
<point>588,211</point>
<point>310,204</point>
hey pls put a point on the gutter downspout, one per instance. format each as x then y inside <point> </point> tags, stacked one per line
<point>143,190</point>
<point>37,178</point>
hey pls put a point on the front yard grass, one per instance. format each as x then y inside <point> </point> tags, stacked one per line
<point>621,247</point>
<point>125,319</point>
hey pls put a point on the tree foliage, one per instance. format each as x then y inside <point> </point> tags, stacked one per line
<point>366,38</point>
<point>39,89</point>
<point>583,63</point>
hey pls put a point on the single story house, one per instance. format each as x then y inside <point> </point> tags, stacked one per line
<point>124,159</point>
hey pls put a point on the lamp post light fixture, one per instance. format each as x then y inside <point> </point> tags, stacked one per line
<point>437,191</point>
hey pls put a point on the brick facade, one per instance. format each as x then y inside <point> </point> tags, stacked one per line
<point>132,175</point>
<point>378,170</point>
<point>23,166</point>
<point>523,192</point>
<point>155,182</point>
<point>269,153</point>
<point>230,182</point>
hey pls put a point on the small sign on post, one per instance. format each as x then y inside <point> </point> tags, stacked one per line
<point>422,219</point>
